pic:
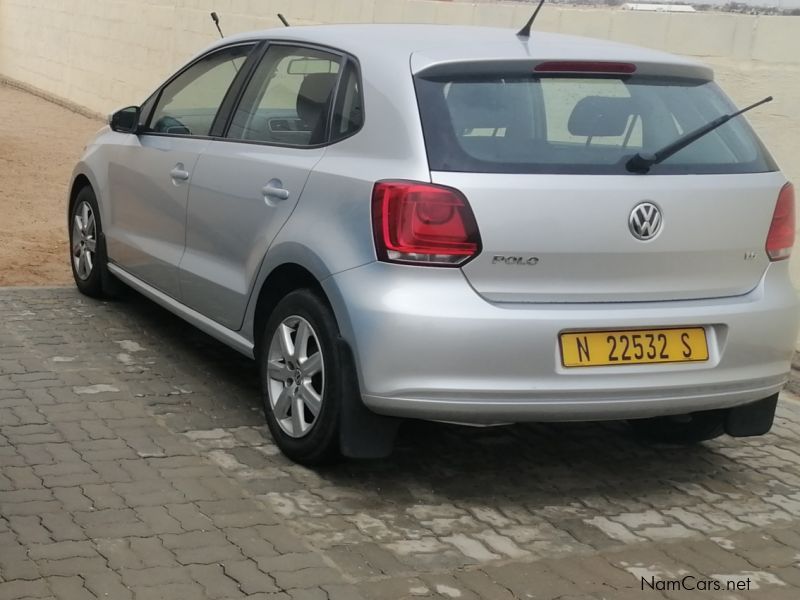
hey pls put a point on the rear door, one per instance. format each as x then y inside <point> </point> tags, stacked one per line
<point>541,160</point>
<point>150,173</point>
<point>246,186</point>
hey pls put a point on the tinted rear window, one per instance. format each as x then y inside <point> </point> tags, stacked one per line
<point>592,125</point>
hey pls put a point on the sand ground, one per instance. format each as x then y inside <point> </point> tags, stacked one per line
<point>40,143</point>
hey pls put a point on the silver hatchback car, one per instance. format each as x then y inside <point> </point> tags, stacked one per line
<point>453,224</point>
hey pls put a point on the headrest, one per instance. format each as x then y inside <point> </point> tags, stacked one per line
<point>314,93</point>
<point>482,105</point>
<point>600,116</point>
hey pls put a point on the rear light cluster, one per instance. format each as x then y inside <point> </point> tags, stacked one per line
<point>781,232</point>
<point>421,223</point>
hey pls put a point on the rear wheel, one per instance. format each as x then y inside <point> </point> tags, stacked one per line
<point>87,250</point>
<point>682,429</point>
<point>301,378</point>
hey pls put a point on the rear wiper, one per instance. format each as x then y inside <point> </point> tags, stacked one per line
<point>642,161</point>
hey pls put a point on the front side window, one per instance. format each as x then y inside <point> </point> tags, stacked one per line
<point>526,123</point>
<point>189,103</point>
<point>289,99</point>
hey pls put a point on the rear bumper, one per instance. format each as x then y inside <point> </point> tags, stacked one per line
<point>427,346</point>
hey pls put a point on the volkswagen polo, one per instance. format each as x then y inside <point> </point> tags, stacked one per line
<point>453,224</point>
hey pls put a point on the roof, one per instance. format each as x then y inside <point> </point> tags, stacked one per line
<point>433,44</point>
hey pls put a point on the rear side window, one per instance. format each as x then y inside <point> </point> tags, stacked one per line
<point>522,123</point>
<point>289,98</point>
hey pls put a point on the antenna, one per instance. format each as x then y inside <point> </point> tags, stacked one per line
<point>215,18</point>
<point>283,20</point>
<point>525,32</point>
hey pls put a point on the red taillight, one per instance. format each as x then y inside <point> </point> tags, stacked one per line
<point>423,223</point>
<point>781,232</point>
<point>585,66</point>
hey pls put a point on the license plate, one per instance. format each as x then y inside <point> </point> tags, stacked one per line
<point>637,347</point>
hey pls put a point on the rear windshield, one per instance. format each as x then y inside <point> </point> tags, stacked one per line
<point>522,123</point>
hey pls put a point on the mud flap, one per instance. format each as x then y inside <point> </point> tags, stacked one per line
<point>112,287</point>
<point>751,419</point>
<point>362,433</point>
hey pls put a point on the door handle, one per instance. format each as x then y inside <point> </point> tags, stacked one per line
<point>178,173</point>
<point>274,190</point>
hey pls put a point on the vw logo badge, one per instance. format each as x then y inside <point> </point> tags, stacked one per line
<point>645,221</point>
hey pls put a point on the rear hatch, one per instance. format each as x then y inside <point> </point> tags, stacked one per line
<point>540,155</point>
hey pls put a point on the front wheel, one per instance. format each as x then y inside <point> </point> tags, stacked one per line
<point>682,429</point>
<point>301,378</point>
<point>87,251</point>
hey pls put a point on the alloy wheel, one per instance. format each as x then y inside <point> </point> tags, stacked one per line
<point>296,376</point>
<point>84,240</point>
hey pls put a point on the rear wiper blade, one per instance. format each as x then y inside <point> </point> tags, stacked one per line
<point>642,161</point>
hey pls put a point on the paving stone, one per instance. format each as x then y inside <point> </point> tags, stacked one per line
<point>482,585</point>
<point>307,577</point>
<point>395,588</point>
<point>290,562</point>
<point>23,478</point>
<point>158,519</point>
<point>69,588</point>
<point>12,590</point>
<point>207,555</point>
<point>155,576</point>
<point>29,529</point>
<point>12,569</point>
<point>308,594</point>
<point>531,579</point>
<point>72,566</point>
<point>107,585</point>
<point>103,496</point>
<point>59,550</point>
<point>251,541</point>
<point>189,517</point>
<point>155,492</point>
<point>250,578</point>
<point>214,581</point>
<point>170,591</point>
<point>119,553</point>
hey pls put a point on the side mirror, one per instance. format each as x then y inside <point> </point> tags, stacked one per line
<point>125,120</point>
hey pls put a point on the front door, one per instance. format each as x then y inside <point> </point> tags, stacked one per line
<point>245,187</point>
<point>150,173</point>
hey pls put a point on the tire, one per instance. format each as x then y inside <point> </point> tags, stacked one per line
<point>87,246</point>
<point>681,429</point>
<point>292,384</point>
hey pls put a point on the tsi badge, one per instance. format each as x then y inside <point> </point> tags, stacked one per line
<point>522,261</point>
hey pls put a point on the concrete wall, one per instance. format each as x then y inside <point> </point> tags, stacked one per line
<point>100,54</point>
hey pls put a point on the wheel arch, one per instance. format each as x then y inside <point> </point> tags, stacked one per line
<point>79,182</point>
<point>284,278</point>
<point>83,176</point>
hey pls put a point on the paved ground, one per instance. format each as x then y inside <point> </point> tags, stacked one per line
<point>134,464</point>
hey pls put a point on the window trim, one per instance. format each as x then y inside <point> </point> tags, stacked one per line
<point>246,66</point>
